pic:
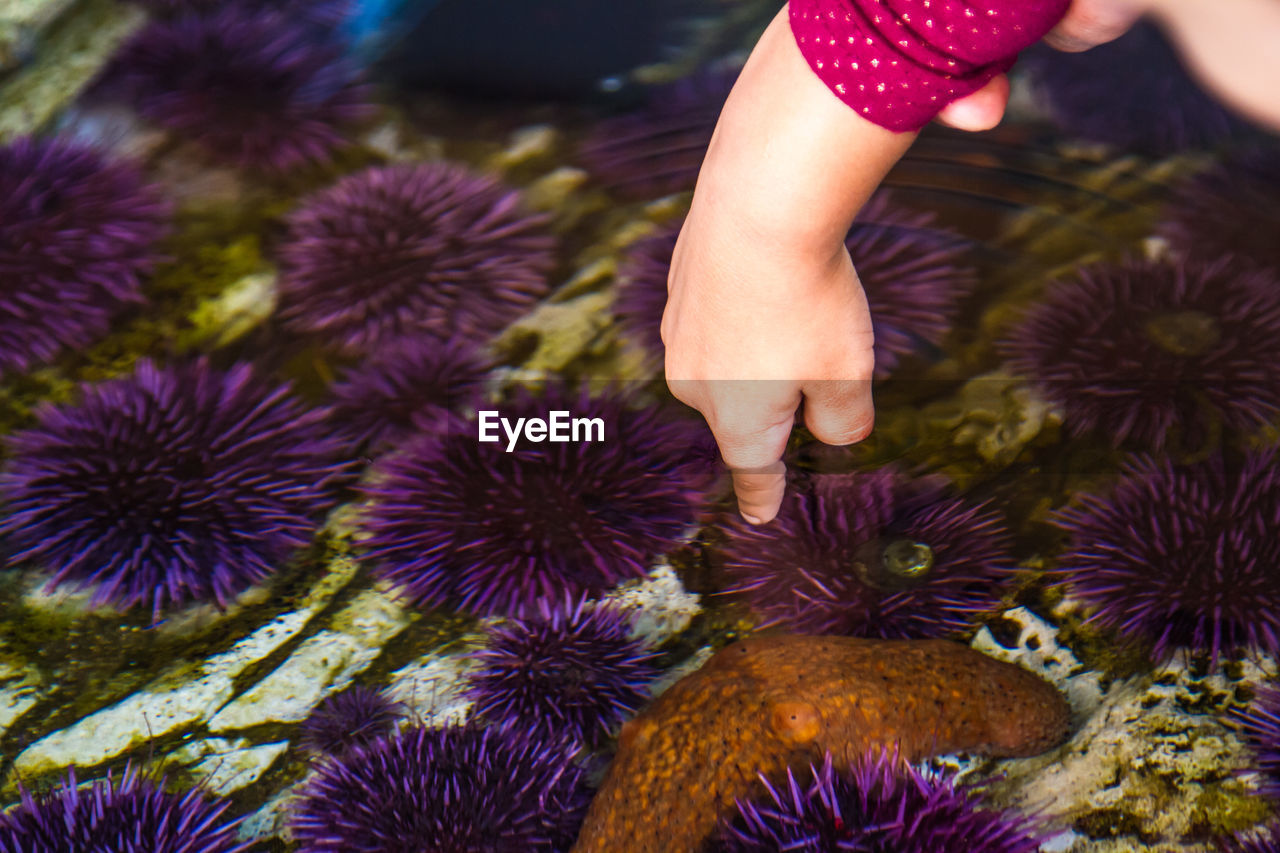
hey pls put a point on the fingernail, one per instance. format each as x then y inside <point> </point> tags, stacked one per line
<point>752,519</point>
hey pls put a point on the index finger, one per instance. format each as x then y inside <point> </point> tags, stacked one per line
<point>751,421</point>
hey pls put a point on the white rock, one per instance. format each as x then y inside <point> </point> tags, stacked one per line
<point>223,766</point>
<point>694,662</point>
<point>321,665</point>
<point>660,606</point>
<point>1038,650</point>
<point>20,686</point>
<point>185,695</point>
<point>1140,771</point>
<point>526,144</point>
<point>236,311</point>
<point>431,688</point>
<point>270,820</point>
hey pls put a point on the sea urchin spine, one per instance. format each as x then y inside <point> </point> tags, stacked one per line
<point>879,803</point>
<point>77,235</point>
<point>1181,556</point>
<point>173,484</point>
<point>1140,349</point>
<point>459,522</point>
<point>871,554</point>
<point>454,788</point>
<point>400,251</point>
<point>564,670</point>
<point>133,816</point>
<point>252,86</point>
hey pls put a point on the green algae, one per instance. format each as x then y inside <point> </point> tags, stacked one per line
<point>1116,657</point>
<point>175,291</point>
<point>101,657</point>
<point>21,394</point>
<point>1220,812</point>
<point>1219,808</point>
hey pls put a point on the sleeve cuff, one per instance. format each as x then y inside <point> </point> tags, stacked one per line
<point>899,62</point>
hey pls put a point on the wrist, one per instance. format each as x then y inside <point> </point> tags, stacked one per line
<point>788,159</point>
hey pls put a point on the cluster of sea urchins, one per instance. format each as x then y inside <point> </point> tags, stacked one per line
<point>872,554</point>
<point>1139,349</point>
<point>915,277</point>
<point>253,85</point>
<point>174,484</point>
<point>472,525</point>
<point>1181,556</point>
<point>562,669</point>
<point>878,803</point>
<point>400,251</point>
<point>470,788</point>
<point>77,235</point>
<point>134,815</point>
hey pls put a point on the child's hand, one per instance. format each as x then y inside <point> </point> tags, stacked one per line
<point>752,327</point>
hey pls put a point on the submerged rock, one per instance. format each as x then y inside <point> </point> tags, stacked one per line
<point>1150,769</point>
<point>65,58</point>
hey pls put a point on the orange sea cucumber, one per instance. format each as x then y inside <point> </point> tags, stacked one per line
<point>766,703</point>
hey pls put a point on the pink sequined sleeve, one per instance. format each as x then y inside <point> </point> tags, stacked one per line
<point>898,62</point>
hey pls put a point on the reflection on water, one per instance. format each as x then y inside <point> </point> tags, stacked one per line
<point>262,266</point>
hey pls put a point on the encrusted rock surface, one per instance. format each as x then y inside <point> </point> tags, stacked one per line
<point>69,56</point>
<point>185,695</point>
<point>223,766</point>
<point>20,687</point>
<point>323,664</point>
<point>1151,766</point>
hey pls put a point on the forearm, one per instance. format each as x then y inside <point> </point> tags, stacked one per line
<point>790,165</point>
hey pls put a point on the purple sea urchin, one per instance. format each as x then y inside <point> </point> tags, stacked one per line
<point>870,555</point>
<point>1133,93</point>
<point>77,234</point>
<point>454,788</point>
<point>659,149</point>
<point>642,289</point>
<point>354,717</point>
<point>134,816</point>
<point>564,670</point>
<point>1260,725</point>
<point>402,250</point>
<point>468,524</point>
<point>914,275</point>
<point>410,386</point>
<point>173,484</point>
<point>1181,556</point>
<point>1137,349</point>
<point>252,86</point>
<point>1231,208</point>
<point>879,803</point>
<point>1266,840</point>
